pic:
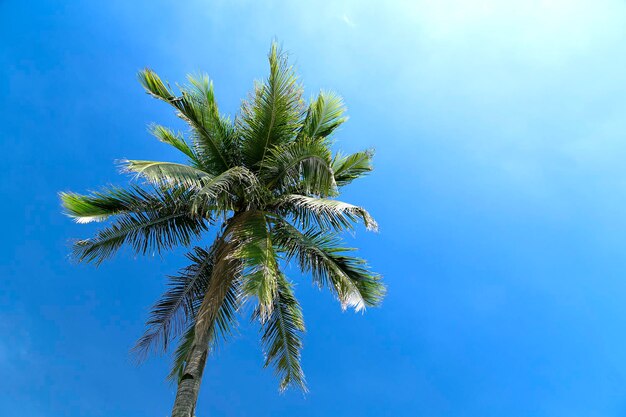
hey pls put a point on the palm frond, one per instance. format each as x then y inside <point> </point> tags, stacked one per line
<point>154,86</point>
<point>281,338</point>
<point>350,167</point>
<point>156,228</point>
<point>177,307</point>
<point>167,173</point>
<point>256,251</point>
<point>215,138</point>
<point>223,190</point>
<point>196,105</point>
<point>176,140</point>
<point>181,354</point>
<point>304,165</point>
<point>225,285</point>
<point>324,212</point>
<point>322,254</point>
<point>222,327</point>
<point>272,115</point>
<point>324,115</point>
<point>215,311</point>
<point>110,201</point>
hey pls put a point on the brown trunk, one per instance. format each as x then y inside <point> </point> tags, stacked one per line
<point>189,384</point>
<point>221,280</point>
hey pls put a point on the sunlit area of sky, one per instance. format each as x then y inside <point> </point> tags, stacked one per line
<point>499,186</point>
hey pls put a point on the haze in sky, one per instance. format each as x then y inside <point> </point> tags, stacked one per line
<point>500,190</point>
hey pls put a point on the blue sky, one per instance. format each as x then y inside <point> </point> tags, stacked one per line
<point>500,189</point>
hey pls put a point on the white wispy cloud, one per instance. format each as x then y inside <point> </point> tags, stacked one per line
<point>348,21</point>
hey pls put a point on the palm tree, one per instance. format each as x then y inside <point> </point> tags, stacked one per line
<point>266,184</point>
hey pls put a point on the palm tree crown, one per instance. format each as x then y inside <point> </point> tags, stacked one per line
<point>267,184</point>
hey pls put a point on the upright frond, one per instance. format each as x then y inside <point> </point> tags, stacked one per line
<point>196,105</point>
<point>348,168</point>
<point>154,86</point>
<point>215,138</point>
<point>272,115</point>
<point>324,115</point>
<point>176,140</point>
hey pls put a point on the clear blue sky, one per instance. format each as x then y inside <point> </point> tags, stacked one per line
<point>500,187</point>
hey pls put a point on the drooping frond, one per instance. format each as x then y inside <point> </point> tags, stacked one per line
<point>222,190</point>
<point>214,310</point>
<point>178,305</point>
<point>256,251</point>
<point>304,165</point>
<point>324,212</point>
<point>177,140</point>
<point>181,354</point>
<point>222,327</point>
<point>272,116</point>
<point>356,286</point>
<point>196,105</point>
<point>156,228</point>
<point>324,115</point>
<point>226,319</point>
<point>224,290</point>
<point>322,254</point>
<point>350,167</point>
<point>281,337</point>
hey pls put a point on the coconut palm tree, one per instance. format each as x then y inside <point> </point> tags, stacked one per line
<point>265,185</point>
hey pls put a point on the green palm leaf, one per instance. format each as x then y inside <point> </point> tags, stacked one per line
<point>222,190</point>
<point>154,229</point>
<point>154,86</point>
<point>350,167</point>
<point>304,165</point>
<point>216,141</point>
<point>177,307</point>
<point>176,140</point>
<point>271,117</point>
<point>193,107</point>
<point>256,250</point>
<point>110,201</point>
<point>167,173</point>
<point>325,213</point>
<point>323,255</point>
<point>281,338</point>
<point>325,114</point>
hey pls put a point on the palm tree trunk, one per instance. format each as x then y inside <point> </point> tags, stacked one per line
<point>189,384</point>
<point>224,268</point>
